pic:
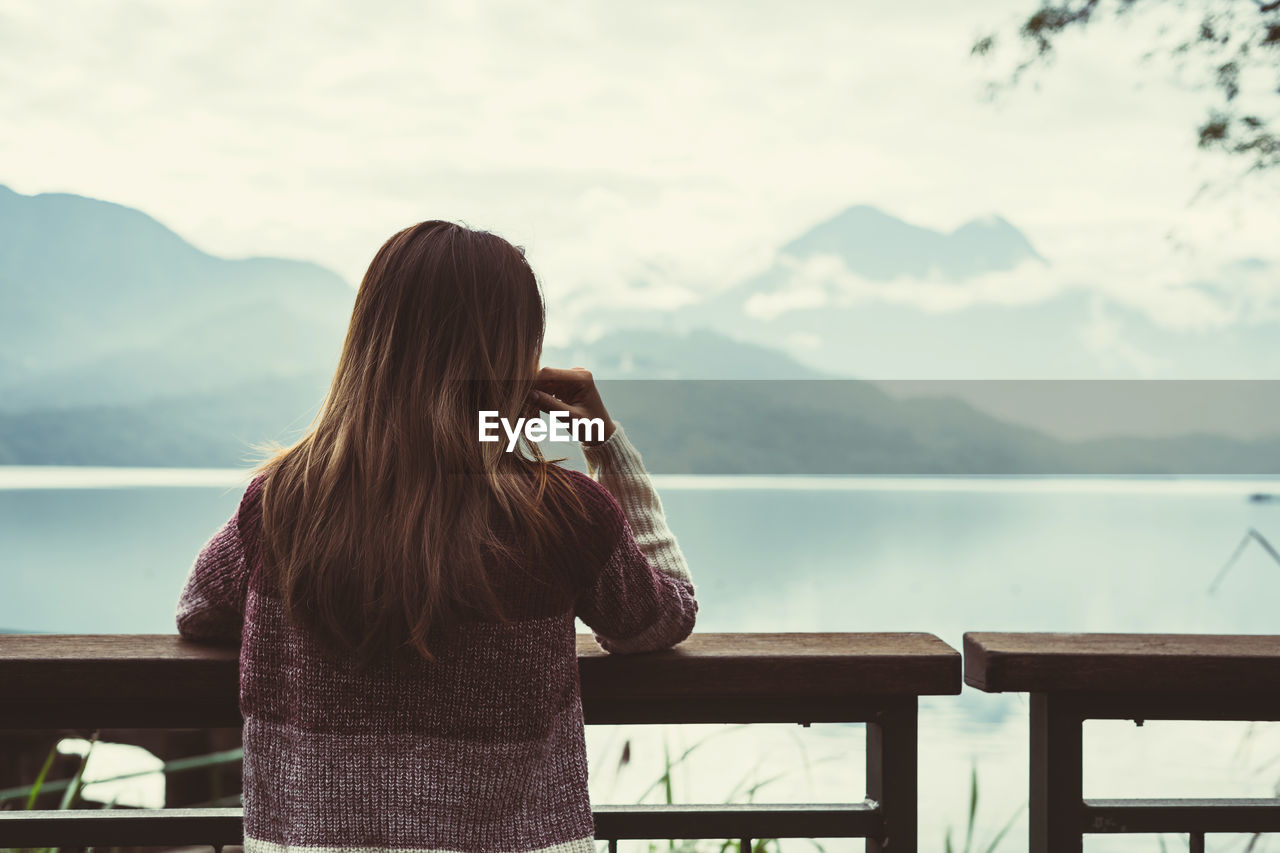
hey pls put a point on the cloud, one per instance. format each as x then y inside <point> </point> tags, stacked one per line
<point>640,151</point>
<point>1173,295</point>
<point>1105,337</point>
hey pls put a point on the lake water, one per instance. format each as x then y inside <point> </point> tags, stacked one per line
<point>101,550</point>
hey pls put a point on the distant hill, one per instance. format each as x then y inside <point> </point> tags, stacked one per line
<point>696,354</point>
<point>122,344</point>
<point>855,428</point>
<point>206,430</point>
<point>105,305</point>
<point>882,247</point>
<point>814,301</point>
<point>219,427</point>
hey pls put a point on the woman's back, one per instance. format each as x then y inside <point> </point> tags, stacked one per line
<point>480,747</point>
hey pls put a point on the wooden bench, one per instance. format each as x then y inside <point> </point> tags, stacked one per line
<point>1078,677</point>
<point>159,681</point>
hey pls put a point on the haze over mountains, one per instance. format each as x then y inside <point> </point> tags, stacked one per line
<point>121,343</point>
<point>866,294</point>
<point>105,305</point>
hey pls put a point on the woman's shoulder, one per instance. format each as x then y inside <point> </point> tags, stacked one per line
<point>249,516</point>
<point>251,500</point>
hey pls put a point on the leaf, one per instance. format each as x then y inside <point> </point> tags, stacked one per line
<point>684,756</point>
<point>666,777</point>
<point>1004,830</point>
<point>973,808</point>
<point>44,771</point>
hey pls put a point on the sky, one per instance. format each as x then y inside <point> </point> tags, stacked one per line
<point>640,152</point>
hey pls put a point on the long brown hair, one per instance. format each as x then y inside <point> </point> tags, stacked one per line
<point>377,523</point>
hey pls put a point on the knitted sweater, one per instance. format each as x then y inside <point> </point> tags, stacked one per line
<point>481,749</point>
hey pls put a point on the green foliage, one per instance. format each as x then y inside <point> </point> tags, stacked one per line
<point>71,791</point>
<point>71,788</point>
<point>994,843</point>
<point>39,783</point>
<point>177,765</point>
<point>1230,41</point>
<point>743,790</point>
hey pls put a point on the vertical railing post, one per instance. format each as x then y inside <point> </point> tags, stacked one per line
<point>1057,797</point>
<point>891,775</point>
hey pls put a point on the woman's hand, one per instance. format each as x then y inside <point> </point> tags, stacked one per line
<point>574,391</point>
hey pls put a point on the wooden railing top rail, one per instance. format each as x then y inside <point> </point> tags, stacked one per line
<point>161,680</point>
<point>1234,664</point>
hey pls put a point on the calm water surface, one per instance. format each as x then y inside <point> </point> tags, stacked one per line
<point>97,550</point>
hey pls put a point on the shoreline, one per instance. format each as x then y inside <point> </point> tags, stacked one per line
<point>1261,489</point>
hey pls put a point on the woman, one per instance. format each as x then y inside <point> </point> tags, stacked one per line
<point>404,594</point>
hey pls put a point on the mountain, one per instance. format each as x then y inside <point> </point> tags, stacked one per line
<point>881,247</point>
<point>851,427</point>
<point>694,354</point>
<point>867,294</point>
<point>222,426</point>
<point>105,305</point>
<point>123,344</point>
<point>214,429</point>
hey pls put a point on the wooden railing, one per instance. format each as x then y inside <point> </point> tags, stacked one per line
<point>86,682</point>
<point>1078,677</point>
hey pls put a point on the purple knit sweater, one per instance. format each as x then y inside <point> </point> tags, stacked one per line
<point>479,750</point>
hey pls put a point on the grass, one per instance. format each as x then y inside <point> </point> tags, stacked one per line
<point>70,791</point>
<point>745,789</point>
<point>1251,536</point>
<point>994,843</point>
<point>177,765</point>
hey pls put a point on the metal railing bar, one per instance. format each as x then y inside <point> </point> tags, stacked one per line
<point>1181,815</point>
<point>741,820</point>
<point>120,828</point>
<point>162,827</point>
<point>31,715</point>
